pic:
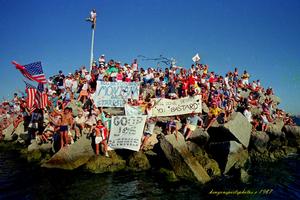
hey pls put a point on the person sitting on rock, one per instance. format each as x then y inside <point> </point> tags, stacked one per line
<point>191,125</point>
<point>79,124</point>
<point>48,133</point>
<point>248,114</point>
<point>264,121</point>
<point>213,114</point>
<point>172,127</point>
<point>149,128</point>
<point>101,138</point>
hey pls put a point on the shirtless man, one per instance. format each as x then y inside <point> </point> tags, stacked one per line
<point>66,120</point>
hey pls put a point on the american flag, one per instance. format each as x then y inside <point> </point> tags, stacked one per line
<point>36,97</point>
<point>41,98</point>
<point>31,93</point>
<point>32,71</point>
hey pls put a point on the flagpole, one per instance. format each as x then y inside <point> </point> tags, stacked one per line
<point>92,48</point>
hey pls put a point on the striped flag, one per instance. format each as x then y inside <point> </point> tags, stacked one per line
<point>32,71</point>
<point>36,97</point>
<point>31,94</point>
<point>41,98</point>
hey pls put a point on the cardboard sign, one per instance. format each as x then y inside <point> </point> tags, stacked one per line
<point>115,94</point>
<point>126,132</point>
<point>169,107</point>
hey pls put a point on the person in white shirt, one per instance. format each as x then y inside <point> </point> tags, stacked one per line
<point>248,114</point>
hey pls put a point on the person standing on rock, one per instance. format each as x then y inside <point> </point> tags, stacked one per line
<point>101,138</point>
<point>66,120</point>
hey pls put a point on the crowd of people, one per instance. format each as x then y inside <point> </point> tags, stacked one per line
<point>221,94</point>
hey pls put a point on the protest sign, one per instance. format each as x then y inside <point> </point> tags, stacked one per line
<point>133,110</point>
<point>126,132</point>
<point>169,107</point>
<point>114,94</point>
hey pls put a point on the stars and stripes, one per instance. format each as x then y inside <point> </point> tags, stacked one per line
<point>31,94</point>
<point>36,97</point>
<point>32,71</point>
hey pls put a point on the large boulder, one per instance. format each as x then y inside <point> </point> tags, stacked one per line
<point>239,126</point>
<point>43,147</point>
<point>199,136</point>
<point>138,161</point>
<point>209,164</point>
<point>102,164</point>
<point>259,140</point>
<point>293,135</point>
<point>229,154</point>
<point>292,131</point>
<point>184,164</point>
<point>275,128</point>
<point>236,128</point>
<point>73,156</point>
<point>9,133</point>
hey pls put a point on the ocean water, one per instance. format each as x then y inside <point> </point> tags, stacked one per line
<point>20,180</point>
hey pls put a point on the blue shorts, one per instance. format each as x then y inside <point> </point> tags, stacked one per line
<point>63,128</point>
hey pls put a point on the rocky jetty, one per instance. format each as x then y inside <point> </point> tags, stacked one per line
<point>224,149</point>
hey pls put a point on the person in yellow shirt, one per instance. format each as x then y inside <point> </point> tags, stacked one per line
<point>214,112</point>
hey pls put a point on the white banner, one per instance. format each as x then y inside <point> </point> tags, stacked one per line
<point>133,110</point>
<point>169,107</point>
<point>126,132</point>
<point>114,94</point>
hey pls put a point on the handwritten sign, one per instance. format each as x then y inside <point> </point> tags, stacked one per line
<point>133,110</point>
<point>126,132</point>
<point>114,94</point>
<point>169,107</point>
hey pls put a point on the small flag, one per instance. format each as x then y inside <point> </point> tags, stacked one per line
<point>196,58</point>
<point>32,71</point>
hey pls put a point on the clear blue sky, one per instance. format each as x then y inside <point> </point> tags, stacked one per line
<point>261,36</point>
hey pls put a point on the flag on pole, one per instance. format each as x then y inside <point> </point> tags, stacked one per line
<point>31,93</point>
<point>196,58</point>
<point>32,71</point>
<point>36,97</point>
<point>41,98</point>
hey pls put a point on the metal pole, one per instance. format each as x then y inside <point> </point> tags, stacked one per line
<point>92,49</point>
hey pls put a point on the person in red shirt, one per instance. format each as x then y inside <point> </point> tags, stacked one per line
<point>101,138</point>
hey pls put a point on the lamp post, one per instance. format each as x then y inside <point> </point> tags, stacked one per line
<point>92,19</point>
<point>92,49</point>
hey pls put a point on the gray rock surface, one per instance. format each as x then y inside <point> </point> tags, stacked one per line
<point>102,164</point>
<point>71,157</point>
<point>239,127</point>
<point>182,161</point>
<point>275,128</point>
<point>259,140</point>
<point>229,154</point>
